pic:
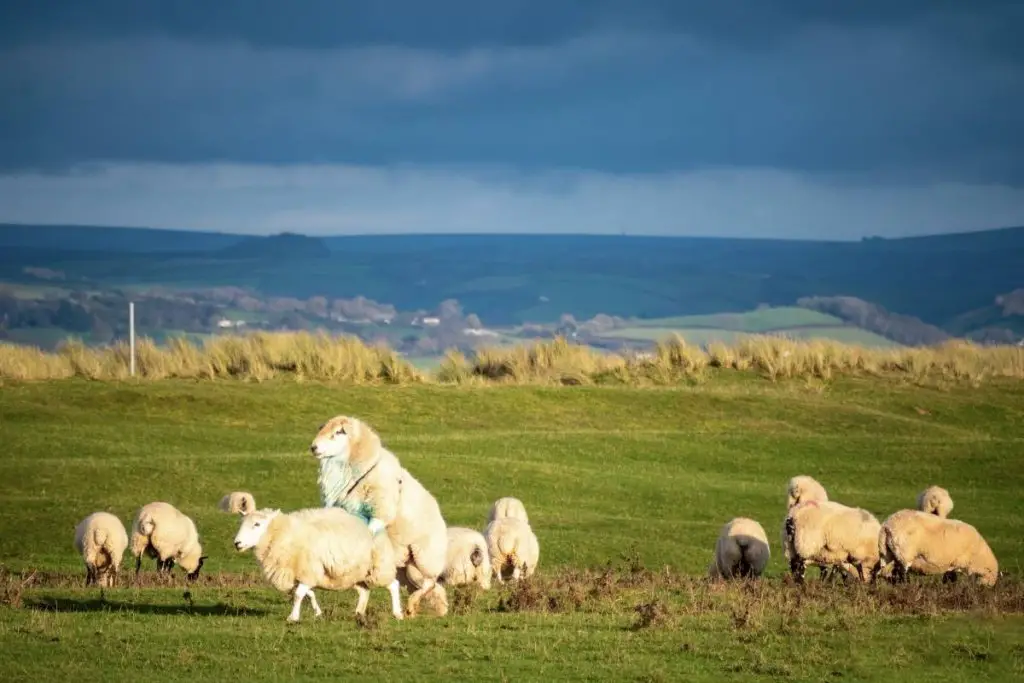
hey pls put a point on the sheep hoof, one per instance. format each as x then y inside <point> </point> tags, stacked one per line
<point>398,615</point>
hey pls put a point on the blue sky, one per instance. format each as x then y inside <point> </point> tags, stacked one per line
<point>760,118</point>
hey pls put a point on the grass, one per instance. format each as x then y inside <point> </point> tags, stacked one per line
<point>626,487</point>
<point>306,356</point>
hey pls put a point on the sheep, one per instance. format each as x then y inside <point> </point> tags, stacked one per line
<point>924,543</point>
<point>101,540</point>
<point>163,532</point>
<point>327,548</point>
<point>831,534</point>
<point>511,543</point>
<point>803,488</point>
<point>237,503</point>
<point>742,550</point>
<point>468,559</point>
<point>508,507</point>
<point>360,475</point>
<point>935,500</point>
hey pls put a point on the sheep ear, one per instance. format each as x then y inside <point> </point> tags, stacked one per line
<point>365,442</point>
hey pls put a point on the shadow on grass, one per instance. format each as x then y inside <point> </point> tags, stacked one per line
<point>67,605</point>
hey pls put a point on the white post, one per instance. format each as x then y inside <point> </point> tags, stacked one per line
<point>131,334</point>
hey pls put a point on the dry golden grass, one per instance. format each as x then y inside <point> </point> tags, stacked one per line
<point>302,355</point>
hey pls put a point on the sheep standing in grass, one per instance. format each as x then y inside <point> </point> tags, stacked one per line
<point>803,488</point>
<point>831,534</point>
<point>935,500</point>
<point>358,474</point>
<point>508,507</point>
<point>923,543</point>
<point>163,532</point>
<point>741,550</point>
<point>512,545</point>
<point>327,548</point>
<point>237,503</point>
<point>468,558</point>
<point>101,540</point>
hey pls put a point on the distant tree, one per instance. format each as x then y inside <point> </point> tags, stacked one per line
<point>317,305</point>
<point>449,308</point>
<point>473,322</point>
<point>101,332</point>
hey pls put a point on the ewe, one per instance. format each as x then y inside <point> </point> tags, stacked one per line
<point>327,548</point>
<point>237,503</point>
<point>163,532</point>
<point>741,550</point>
<point>923,543</point>
<point>831,534</point>
<point>101,540</point>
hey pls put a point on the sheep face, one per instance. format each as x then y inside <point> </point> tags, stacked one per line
<point>346,438</point>
<point>254,525</point>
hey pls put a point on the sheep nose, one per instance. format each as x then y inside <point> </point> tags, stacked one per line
<point>238,545</point>
<point>312,449</point>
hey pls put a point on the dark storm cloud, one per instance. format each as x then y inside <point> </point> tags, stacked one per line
<point>913,86</point>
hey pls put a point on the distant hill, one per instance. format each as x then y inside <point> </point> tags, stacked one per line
<point>509,279</point>
<point>287,245</point>
<point>99,238</point>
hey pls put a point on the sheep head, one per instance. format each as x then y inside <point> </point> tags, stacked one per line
<point>348,439</point>
<point>254,525</point>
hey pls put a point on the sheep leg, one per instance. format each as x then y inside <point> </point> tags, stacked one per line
<point>300,592</point>
<point>364,599</point>
<point>950,576</point>
<point>516,572</point>
<point>313,601</point>
<point>412,605</point>
<point>396,599</point>
<point>90,575</point>
<point>797,566</point>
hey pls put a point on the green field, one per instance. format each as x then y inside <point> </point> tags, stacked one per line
<point>730,328</point>
<point>640,478</point>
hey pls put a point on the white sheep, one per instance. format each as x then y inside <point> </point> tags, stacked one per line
<point>512,544</point>
<point>935,500</point>
<point>165,533</point>
<point>468,559</point>
<point>803,488</point>
<point>831,534</point>
<point>101,540</point>
<point>923,543</point>
<point>741,550</point>
<point>327,548</point>
<point>359,474</point>
<point>508,507</point>
<point>237,503</point>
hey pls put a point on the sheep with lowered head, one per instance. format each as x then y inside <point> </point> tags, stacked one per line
<point>101,540</point>
<point>830,534</point>
<point>359,474</point>
<point>741,550</point>
<point>327,548</point>
<point>512,545</point>
<point>508,507</point>
<point>935,500</point>
<point>468,559</point>
<point>165,533</point>
<point>923,543</point>
<point>237,503</point>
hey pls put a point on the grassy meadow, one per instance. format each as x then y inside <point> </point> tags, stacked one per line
<point>627,488</point>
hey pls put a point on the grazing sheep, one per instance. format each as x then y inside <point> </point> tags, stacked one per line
<point>508,507</point>
<point>802,489</point>
<point>935,500</point>
<point>742,550</point>
<point>359,474</point>
<point>923,543</point>
<point>237,503</point>
<point>512,544</point>
<point>163,532</point>
<point>468,560</point>
<point>831,534</point>
<point>327,548</point>
<point>101,540</point>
